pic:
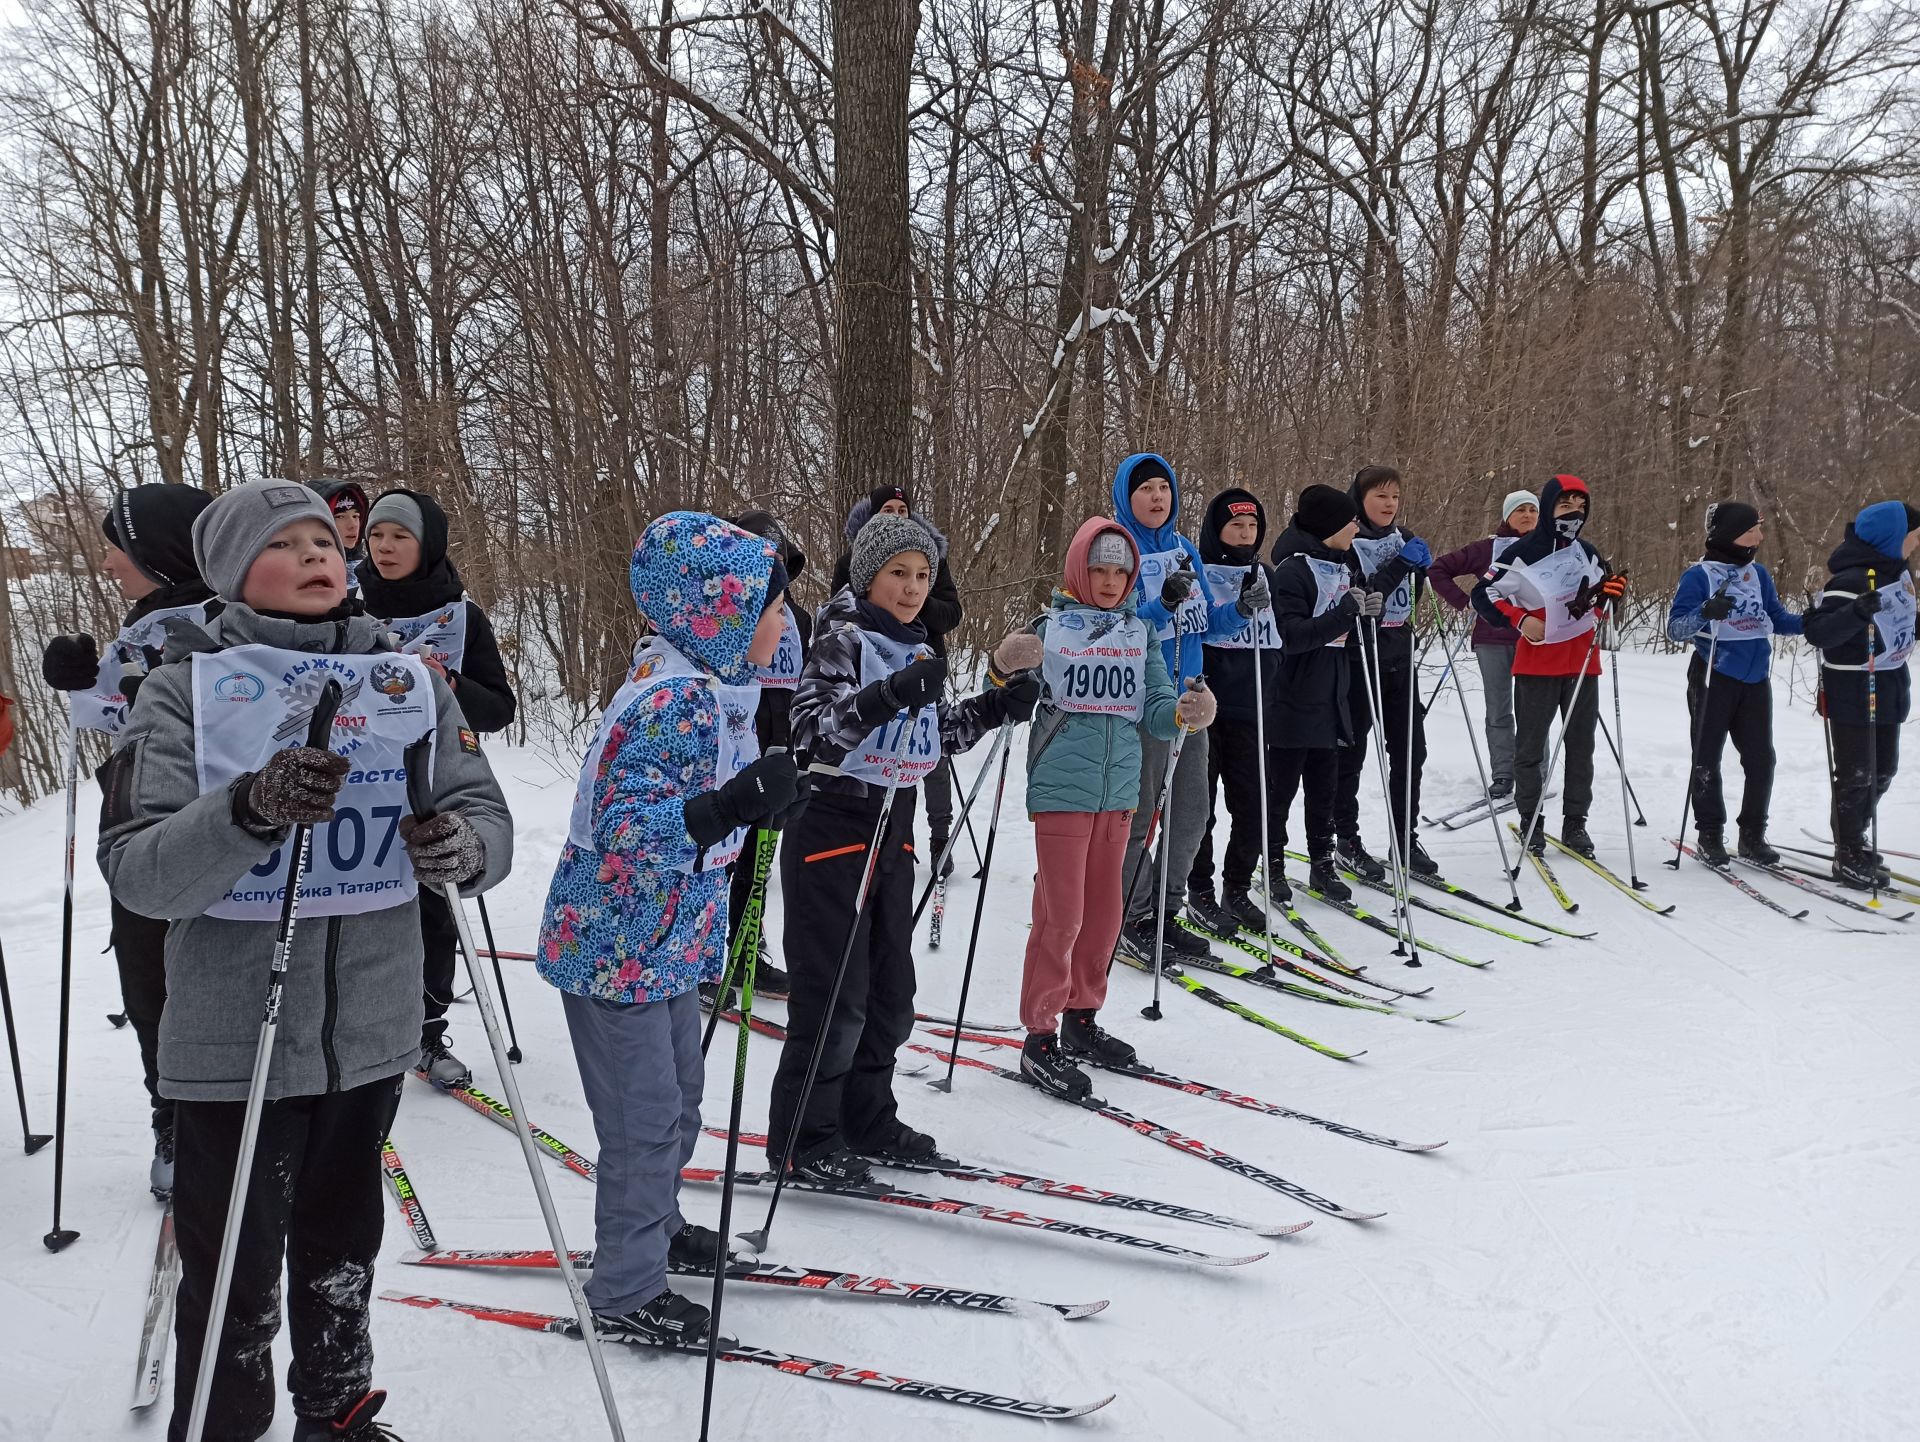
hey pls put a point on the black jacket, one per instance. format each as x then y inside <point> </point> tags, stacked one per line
<point>942,611</point>
<point>480,685</point>
<point>1230,669</point>
<point>327,490</point>
<point>1396,642</point>
<point>1842,636</point>
<point>1313,679</point>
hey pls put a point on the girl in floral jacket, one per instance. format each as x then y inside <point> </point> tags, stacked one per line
<point>636,916</point>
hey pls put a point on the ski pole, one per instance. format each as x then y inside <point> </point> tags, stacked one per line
<point>420,802</point>
<point>746,945</point>
<point>1613,750</point>
<point>1479,765</point>
<point>299,846</point>
<point>499,981</point>
<point>1699,730</point>
<point>1152,1011</point>
<point>32,1140</point>
<point>60,1236</point>
<point>1406,816</point>
<point>1166,790</point>
<point>1560,742</point>
<point>953,835</point>
<point>979,910</point>
<point>762,837</point>
<point>1620,756</point>
<point>1370,677</point>
<point>758,1239</point>
<point>1260,745</point>
<point>1873,817</point>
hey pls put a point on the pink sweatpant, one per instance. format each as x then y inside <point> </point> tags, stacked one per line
<point>1076,913</point>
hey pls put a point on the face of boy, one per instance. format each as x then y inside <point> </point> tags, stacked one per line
<point>766,635</point>
<point>1152,503</point>
<point>1524,518</point>
<point>894,507</point>
<point>300,573</point>
<point>1241,531</point>
<point>901,587</point>
<point>1342,539</point>
<point>1569,503</point>
<point>1753,535</point>
<point>1110,585</point>
<point>347,522</point>
<point>1382,503</point>
<point>133,582</point>
<point>395,550</point>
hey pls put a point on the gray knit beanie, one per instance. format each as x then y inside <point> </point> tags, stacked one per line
<point>402,510</point>
<point>879,541</point>
<point>230,534</point>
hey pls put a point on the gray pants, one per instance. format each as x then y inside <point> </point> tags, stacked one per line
<point>642,1072</point>
<point>1181,830</point>
<point>1496,680</point>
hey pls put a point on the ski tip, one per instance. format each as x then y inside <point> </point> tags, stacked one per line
<point>415,1257</point>
<point>1665,911</point>
<point>1074,1311</point>
<point>1277,1229</point>
<point>1421,1146</point>
<point>1347,1214</point>
<point>1066,1413</point>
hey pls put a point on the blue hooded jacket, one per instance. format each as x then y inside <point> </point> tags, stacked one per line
<point>621,923</point>
<point>1184,655</point>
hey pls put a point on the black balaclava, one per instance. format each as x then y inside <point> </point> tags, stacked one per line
<point>1725,521</point>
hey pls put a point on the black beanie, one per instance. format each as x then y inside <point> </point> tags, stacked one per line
<point>1323,511</point>
<point>1727,520</point>
<point>880,495</point>
<point>1147,468</point>
<point>153,524</point>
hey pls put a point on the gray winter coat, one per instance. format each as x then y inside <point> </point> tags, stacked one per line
<point>352,1007</point>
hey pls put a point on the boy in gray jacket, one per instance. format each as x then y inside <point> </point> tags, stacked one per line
<point>208,779</point>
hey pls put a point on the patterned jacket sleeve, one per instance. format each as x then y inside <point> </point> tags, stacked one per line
<point>658,755</point>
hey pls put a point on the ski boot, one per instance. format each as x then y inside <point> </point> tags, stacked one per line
<point>1244,911</point>
<point>1353,855</point>
<point>1418,861</point>
<point>442,1067</point>
<point>936,846</point>
<point>1536,842</point>
<point>1205,910</point>
<point>1180,941</point>
<point>1711,847</point>
<point>837,1167</point>
<point>1323,875</point>
<point>1042,1063</point>
<point>1082,1035</point>
<point>1501,789</point>
<point>1277,885</point>
<point>160,1173</point>
<point>1573,835</point>
<point>898,1142</point>
<point>1754,847</point>
<point>353,1423</point>
<point>771,981</point>
<point>1137,938</point>
<point>669,1320</point>
<point>1858,867</point>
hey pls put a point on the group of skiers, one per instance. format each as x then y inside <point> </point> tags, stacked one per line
<point>1164,670</point>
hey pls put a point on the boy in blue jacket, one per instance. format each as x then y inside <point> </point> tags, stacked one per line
<point>1727,606</point>
<point>1179,613</point>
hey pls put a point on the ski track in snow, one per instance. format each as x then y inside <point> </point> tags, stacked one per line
<point>1675,1204</point>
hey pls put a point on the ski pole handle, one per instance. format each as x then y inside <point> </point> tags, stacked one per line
<point>320,724</point>
<point>419,796</point>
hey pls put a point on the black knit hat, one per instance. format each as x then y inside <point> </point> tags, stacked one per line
<point>1727,520</point>
<point>1323,511</point>
<point>880,495</point>
<point>153,524</point>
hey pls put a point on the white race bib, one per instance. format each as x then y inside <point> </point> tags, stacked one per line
<point>783,672</point>
<point>251,701</point>
<point>655,664</point>
<point>1503,544</point>
<point>1192,612</point>
<point>1224,583</point>
<point>1549,586</point>
<point>104,706</point>
<point>1333,581</point>
<point>1095,663</point>
<point>437,636</point>
<point>1375,552</point>
<point>1749,620</point>
<point>878,758</point>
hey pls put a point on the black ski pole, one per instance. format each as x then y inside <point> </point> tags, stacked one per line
<point>299,845</point>
<point>979,910</point>
<point>1613,749</point>
<point>499,981</point>
<point>747,947</point>
<point>1699,729</point>
<point>953,835</point>
<point>758,1239</point>
<point>1559,745</point>
<point>59,1236</point>
<point>33,1140</point>
<point>1873,802</point>
<point>1620,757</point>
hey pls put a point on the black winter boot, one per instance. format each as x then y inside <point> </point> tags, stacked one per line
<point>1082,1035</point>
<point>353,1423</point>
<point>1043,1064</point>
<point>1712,847</point>
<point>1246,911</point>
<point>1754,847</point>
<point>1324,877</point>
<point>898,1142</point>
<point>1573,834</point>
<point>1205,909</point>
<point>1856,866</point>
<point>1418,861</point>
<point>1354,857</point>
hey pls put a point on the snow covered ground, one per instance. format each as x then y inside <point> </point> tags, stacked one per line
<point>1676,1199</point>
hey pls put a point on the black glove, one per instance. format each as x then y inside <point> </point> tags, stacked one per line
<point>296,786</point>
<point>1254,595</point>
<point>1865,605</point>
<point>445,849</point>
<point>1021,695</point>
<point>1176,588</point>
<point>1583,599</point>
<point>803,793</point>
<point>1717,608</point>
<point>911,687</point>
<point>71,663</point>
<point>762,789</point>
<point>130,680</point>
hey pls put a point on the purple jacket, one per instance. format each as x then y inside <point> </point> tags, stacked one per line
<point>1472,559</point>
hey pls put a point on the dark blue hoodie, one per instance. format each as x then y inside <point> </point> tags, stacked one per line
<point>1873,541</point>
<point>1184,655</point>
